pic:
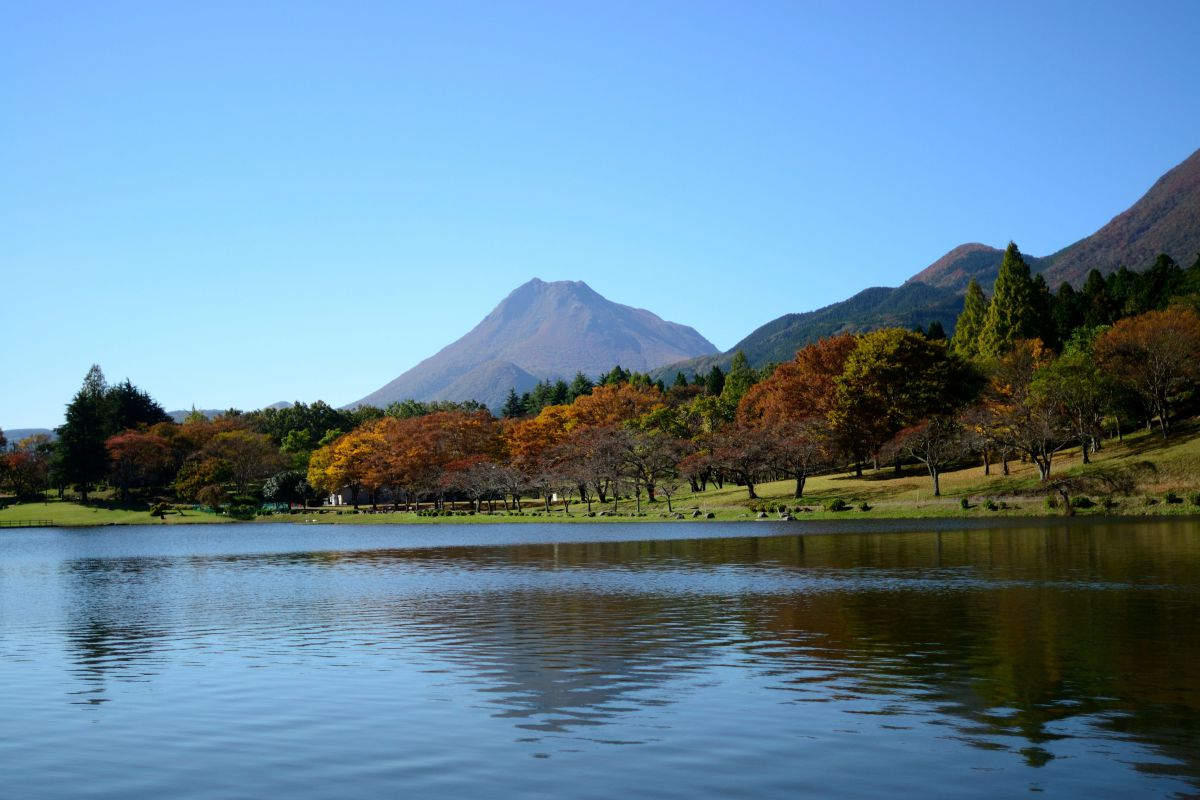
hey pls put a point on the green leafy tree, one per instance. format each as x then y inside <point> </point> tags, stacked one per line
<point>893,379</point>
<point>288,486</point>
<point>970,322</point>
<point>129,408</point>
<point>1013,313</point>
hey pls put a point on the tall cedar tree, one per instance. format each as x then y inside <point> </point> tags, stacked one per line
<point>1012,314</point>
<point>970,322</point>
<point>83,455</point>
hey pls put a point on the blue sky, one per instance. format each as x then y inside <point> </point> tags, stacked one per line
<point>238,203</point>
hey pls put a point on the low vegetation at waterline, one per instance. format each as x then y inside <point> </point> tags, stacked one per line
<point>1171,489</point>
<point>1029,379</point>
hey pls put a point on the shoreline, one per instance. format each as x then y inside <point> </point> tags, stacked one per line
<point>977,515</point>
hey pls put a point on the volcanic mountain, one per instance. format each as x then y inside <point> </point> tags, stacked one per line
<point>1165,220</point>
<point>543,331</point>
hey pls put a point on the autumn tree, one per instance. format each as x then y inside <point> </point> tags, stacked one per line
<point>801,388</point>
<point>798,447</point>
<point>25,469</point>
<point>1085,391</point>
<point>1020,415</point>
<point>743,454</point>
<point>137,459</point>
<point>1156,354</point>
<point>936,442</point>
<point>250,456</point>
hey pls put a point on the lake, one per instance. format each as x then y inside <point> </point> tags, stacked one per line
<point>756,660</point>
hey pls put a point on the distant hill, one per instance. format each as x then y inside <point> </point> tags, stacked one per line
<point>180,415</point>
<point>543,331</point>
<point>17,434</point>
<point>1165,220</point>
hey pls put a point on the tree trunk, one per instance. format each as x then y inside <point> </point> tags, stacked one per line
<point>800,480</point>
<point>750,489</point>
<point>987,462</point>
<point>1084,449</point>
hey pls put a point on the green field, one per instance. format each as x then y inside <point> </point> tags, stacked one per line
<point>908,495</point>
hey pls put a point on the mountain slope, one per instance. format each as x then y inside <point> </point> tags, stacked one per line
<point>1165,220</point>
<point>878,307</point>
<point>543,331</point>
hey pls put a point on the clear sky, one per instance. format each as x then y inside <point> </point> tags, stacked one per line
<point>237,203</point>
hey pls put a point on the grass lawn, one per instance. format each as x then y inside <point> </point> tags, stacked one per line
<point>101,512</point>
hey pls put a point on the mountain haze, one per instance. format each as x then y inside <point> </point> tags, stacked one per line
<point>543,331</point>
<point>1165,220</point>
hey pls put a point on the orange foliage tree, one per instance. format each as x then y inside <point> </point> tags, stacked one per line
<point>1156,354</point>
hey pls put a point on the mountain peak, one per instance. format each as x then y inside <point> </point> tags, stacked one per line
<point>544,330</point>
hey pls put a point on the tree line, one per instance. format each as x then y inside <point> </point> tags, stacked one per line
<point>1026,374</point>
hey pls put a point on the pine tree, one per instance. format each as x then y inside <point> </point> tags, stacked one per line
<point>681,381</point>
<point>513,407</point>
<point>970,322</point>
<point>1013,312</point>
<point>739,380</point>
<point>715,382</point>
<point>580,386</point>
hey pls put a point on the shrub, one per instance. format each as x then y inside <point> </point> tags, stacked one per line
<point>864,506</point>
<point>1194,498</point>
<point>1172,498</point>
<point>836,505</point>
<point>1149,501</point>
<point>1081,502</point>
<point>991,505</point>
<point>1051,503</point>
<point>1107,502</point>
<point>964,503</point>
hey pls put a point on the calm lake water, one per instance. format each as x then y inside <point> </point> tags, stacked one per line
<point>599,661</point>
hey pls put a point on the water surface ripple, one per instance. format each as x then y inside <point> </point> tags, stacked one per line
<point>597,661</point>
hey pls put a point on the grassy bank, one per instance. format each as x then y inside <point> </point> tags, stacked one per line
<point>884,494</point>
